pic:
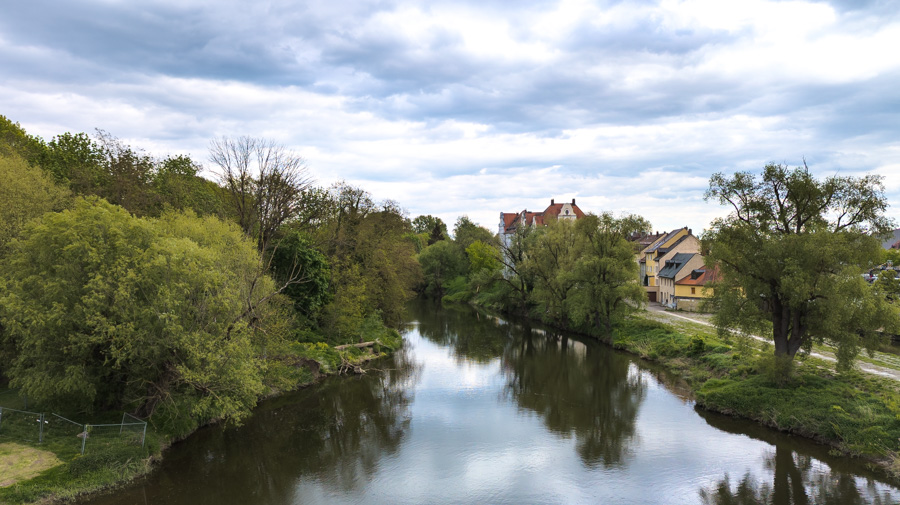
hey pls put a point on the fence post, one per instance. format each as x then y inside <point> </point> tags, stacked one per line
<point>122,424</point>
<point>84,435</point>
<point>144,435</point>
<point>41,430</point>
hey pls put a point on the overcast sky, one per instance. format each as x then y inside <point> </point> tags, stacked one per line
<point>477,107</point>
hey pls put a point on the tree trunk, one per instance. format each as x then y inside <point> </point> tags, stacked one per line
<point>781,328</point>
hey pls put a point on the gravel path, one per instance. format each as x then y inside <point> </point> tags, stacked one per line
<point>658,311</point>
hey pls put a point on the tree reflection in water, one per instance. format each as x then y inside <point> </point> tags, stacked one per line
<point>471,335</point>
<point>578,390</point>
<point>796,478</point>
<point>335,434</point>
<point>363,420</point>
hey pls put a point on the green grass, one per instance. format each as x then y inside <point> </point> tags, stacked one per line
<point>854,412</point>
<point>20,462</point>
<point>109,459</point>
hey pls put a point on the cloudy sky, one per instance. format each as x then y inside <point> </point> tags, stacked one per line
<point>477,107</point>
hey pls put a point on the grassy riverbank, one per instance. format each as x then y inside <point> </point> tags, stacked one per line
<point>63,474</point>
<point>858,415</point>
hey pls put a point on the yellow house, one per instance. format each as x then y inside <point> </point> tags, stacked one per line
<point>691,290</point>
<point>674,269</point>
<point>654,256</point>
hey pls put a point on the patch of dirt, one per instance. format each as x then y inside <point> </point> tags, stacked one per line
<point>20,462</point>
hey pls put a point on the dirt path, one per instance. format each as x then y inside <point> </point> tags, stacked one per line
<point>659,312</point>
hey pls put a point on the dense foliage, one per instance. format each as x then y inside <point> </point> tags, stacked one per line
<point>105,310</point>
<point>130,282</point>
<point>580,275</point>
<point>792,252</point>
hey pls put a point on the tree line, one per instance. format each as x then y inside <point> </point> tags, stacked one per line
<point>790,256</point>
<point>579,275</point>
<point>129,281</point>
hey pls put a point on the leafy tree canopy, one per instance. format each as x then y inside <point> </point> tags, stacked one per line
<point>27,192</point>
<point>791,253</point>
<point>106,310</point>
<point>427,223</point>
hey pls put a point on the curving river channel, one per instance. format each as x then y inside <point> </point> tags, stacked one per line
<point>476,409</point>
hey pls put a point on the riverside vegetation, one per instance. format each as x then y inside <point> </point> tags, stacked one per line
<point>792,253</point>
<point>129,283</point>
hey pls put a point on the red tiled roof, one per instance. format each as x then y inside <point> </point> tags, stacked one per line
<point>554,209</point>
<point>511,220</point>
<point>700,277</point>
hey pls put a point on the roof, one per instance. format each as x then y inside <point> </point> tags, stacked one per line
<point>892,240</point>
<point>656,245</point>
<point>700,277</point>
<point>674,265</point>
<point>667,249</point>
<point>511,220</point>
<point>508,219</point>
<point>555,208</point>
<point>645,239</point>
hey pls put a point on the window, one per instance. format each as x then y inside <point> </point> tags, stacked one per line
<point>693,291</point>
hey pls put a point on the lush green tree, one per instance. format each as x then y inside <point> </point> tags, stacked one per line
<point>888,284</point>
<point>516,280</point>
<point>483,257</point>
<point>14,141</point>
<point>484,266</point>
<point>27,192</point>
<point>441,262</point>
<point>891,256</point>
<point>302,271</point>
<point>426,224</point>
<point>551,262</point>
<point>177,183</point>
<point>791,254</point>
<point>465,232</point>
<point>606,275</point>
<point>76,160</point>
<point>106,310</point>
<point>373,264</point>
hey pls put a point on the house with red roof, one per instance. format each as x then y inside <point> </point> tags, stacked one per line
<point>693,289</point>
<point>512,221</point>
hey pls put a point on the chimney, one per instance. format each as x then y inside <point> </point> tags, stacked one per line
<point>690,231</point>
<point>551,201</point>
<point>573,201</point>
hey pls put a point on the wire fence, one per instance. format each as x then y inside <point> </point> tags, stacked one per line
<point>40,428</point>
<point>21,425</point>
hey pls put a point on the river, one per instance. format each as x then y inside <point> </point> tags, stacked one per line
<point>478,409</point>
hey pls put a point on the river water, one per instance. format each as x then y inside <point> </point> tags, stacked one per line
<point>477,409</point>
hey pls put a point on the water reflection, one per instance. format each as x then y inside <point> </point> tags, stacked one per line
<point>578,390</point>
<point>478,409</point>
<point>793,475</point>
<point>334,434</point>
<point>470,335</point>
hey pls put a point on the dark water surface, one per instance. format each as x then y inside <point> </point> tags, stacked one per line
<point>476,409</point>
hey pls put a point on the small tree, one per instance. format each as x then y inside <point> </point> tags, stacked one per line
<point>791,254</point>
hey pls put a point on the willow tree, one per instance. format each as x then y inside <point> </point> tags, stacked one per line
<point>104,310</point>
<point>791,253</point>
<point>607,286</point>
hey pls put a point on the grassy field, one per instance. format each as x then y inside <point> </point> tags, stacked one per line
<point>856,413</point>
<point>20,462</point>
